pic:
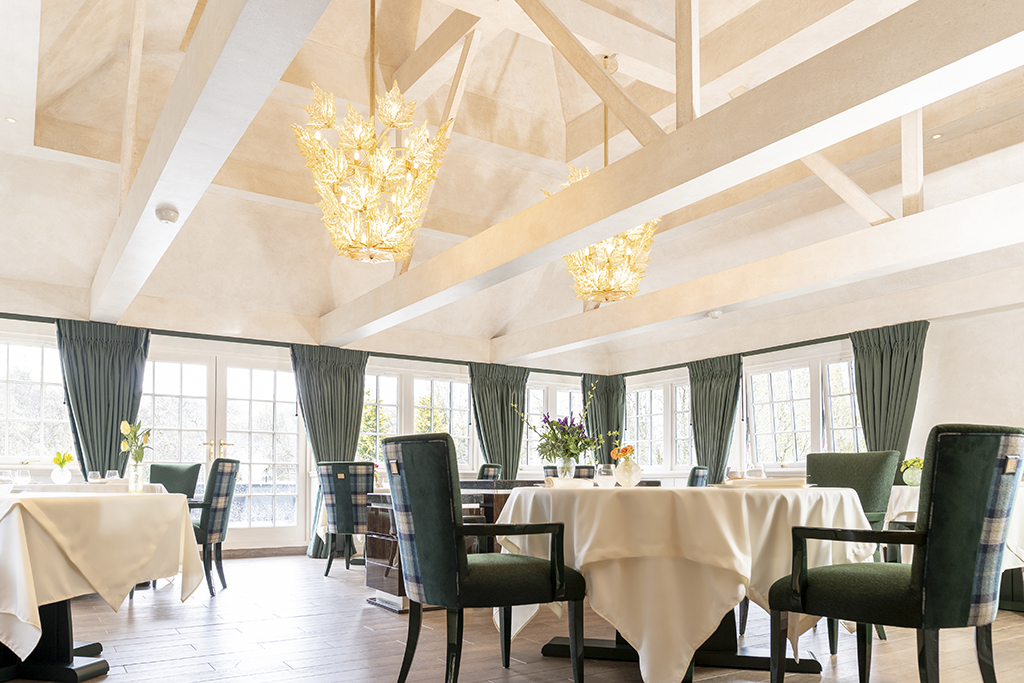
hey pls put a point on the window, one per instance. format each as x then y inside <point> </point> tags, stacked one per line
<point>645,425</point>
<point>781,401</point>
<point>175,405</point>
<point>442,405</point>
<point>535,403</point>
<point>844,431</point>
<point>34,422</point>
<point>568,401</point>
<point>380,416</point>
<point>683,446</point>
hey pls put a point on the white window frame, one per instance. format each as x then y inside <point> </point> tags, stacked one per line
<point>550,384</point>
<point>669,471</point>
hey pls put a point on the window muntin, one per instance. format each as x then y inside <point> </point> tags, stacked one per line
<point>844,431</point>
<point>683,446</point>
<point>568,402</point>
<point>380,415</point>
<point>781,414</point>
<point>645,416</point>
<point>529,456</point>
<point>175,406</point>
<point>34,421</point>
<point>442,405</point>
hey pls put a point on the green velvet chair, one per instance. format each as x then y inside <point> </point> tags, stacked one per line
<point>437,570</point>
<point>968,488</point>
<point>212,526</point>
<point>345,486</point>
<point>698,476</point>
<point>176,477</point>
<point>489,471</point>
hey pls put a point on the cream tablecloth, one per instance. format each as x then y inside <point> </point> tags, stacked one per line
<point>88,488</point>
<point>55,546</point>
<point>663,565</point>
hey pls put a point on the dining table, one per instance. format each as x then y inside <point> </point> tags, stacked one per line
<point>666,566</point>
<point>57,545</point>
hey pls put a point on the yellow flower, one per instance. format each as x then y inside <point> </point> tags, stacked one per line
<point>125,428</point>
<point>145,438</point>
<point>124,446</point>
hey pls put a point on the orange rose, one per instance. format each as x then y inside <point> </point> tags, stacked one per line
<point>615,454</point>
<point>626,451</point>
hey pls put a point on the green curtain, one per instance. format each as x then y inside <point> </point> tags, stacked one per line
<point>715,392</point>
<point>887,371</point>
<point>606,410</point>
<point>103,369</point>
<point>330,384</point>
<point>497,392</point>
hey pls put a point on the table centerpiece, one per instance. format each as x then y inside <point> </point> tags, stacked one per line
<point>912,468</point>
<point>627,472</point>
<point>61,474</point>
<point>135,443</point>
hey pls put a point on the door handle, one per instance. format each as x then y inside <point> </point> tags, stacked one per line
<point>223,448</point>
<point>209,444</point>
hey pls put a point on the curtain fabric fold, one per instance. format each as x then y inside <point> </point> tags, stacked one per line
<point>330,385</point>
<point>887,372</point>
<point>103,368</point>
<point>714,391</point>
<point>606,410</point>
<point>497,390</point>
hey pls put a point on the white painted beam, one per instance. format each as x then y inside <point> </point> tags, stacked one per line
<point>636,120</point>
<point>926,52</point>
<point>849,191</point>
<point>687,61</point>
<point>130,124</point>
<point>431,51</point>
<point>912,161</point>
<point>19,69</point>
<point>238,54</point>
<point>912,242</point>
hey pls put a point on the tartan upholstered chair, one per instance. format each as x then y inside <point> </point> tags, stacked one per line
<point>176,477</point>
<point>698,476</point>
<point>968,488</point>
<point>428,517</point>
<point>490,471</point>
<point>212,526</point>
<point>345,486</point>
<point>584,472</point>
<point>551,470</point>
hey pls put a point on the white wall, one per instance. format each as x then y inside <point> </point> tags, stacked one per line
<point>973,372</point>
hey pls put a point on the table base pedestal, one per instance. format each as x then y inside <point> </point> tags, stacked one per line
<point>56,657</point>
<point>720,650</point>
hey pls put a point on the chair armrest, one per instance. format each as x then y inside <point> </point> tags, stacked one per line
<point>198,505</point>
<point>801,533</point>
<point>557,554</point>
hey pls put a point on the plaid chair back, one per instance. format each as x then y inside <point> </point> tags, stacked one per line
<point>698,476</point>
<point>550,470</point>
<point>345,487</point>
<point>427,505</point>
<point>968,487</point>
<point>220,490</point>
<point>490,471</point>
<point>584,472</point>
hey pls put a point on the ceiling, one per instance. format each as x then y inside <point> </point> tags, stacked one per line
<point>748,228</point>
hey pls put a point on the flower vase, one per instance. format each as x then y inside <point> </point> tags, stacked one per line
<point>912,476</point>
<point>136,477</point>
<point>565,467</point>
<point>60,476</point>
<point>627,473</point>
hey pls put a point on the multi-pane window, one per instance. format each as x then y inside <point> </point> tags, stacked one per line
<point>262,432</point>
<point>33,418</point>
<point>380,415</point>
<point>645,415</point>
<point>568,402</point>
<point>442,405</point>
<point>842,417</point>
<point>683,426</point>
<point>781,403</point>
<point>528,455</point>
<point>175,406</point>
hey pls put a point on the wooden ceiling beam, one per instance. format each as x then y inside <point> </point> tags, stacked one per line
<point>912,161</point>
<point>849,191</point>
<point>431,51</point>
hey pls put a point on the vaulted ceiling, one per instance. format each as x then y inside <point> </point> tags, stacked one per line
<point>788,203</point>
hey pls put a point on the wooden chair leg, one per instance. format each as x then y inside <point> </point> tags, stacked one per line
<point>928,655</point>
<point>983,644</point>
<point>505,633</point>
<point>576,639</point>
<point>880,631</point>
<point>864,651</point>
<point>350,546</point>
<point>131,593</point>
<point>329,539</point>
<point>208,567</point>
<point>744,610</point>
<point>833,635</point>
<point>454,658</point>
<point>415,620</point>
<point>779,623</point>
<point>218,558</point>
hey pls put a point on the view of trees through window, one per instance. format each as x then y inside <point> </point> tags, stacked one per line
<point>442,405</point>
<point>645,419</point>
<point>33,418</point>
<point>380,416</point>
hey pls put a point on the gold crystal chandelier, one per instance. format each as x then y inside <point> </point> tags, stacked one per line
<point>372,193</point>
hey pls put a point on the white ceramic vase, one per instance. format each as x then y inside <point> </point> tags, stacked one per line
<point>60,476</point>
<point>627,473</point>
<point>912,476</point>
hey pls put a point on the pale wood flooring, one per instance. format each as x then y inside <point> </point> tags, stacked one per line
<point>281,620</point>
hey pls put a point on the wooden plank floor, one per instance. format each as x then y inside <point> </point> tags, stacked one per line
<point>281,620</point>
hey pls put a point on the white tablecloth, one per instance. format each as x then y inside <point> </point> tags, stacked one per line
<point>88,488</point>
<point>55,546</point>
<point>663,565</point>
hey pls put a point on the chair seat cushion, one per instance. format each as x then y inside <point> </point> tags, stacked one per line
<point>501,579</point>
<point>867,592</point>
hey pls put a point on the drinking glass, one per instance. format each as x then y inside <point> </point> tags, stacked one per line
<point>93,475</point>
<point>6,477</point>
<point>22,477</point>
<point>112,474</point>
<point>605,476</point>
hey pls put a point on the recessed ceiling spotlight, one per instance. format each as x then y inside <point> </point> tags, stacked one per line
<point>715,314</point>
<point>11,120</point>
<point>936,136</point>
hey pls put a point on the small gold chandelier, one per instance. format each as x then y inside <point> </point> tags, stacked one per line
<point>372,193</point>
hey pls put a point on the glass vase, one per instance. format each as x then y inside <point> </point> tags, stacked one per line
<point>136,477</point>
<point>627,473</point>
<point>912,476</point>
<point>565,467</point>
<point>60,476</point>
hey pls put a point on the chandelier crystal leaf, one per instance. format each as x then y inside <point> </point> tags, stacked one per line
<point>612,269</point>
<point>372,194</point>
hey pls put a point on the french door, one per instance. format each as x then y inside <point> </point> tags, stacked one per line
<point>204,407</point>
